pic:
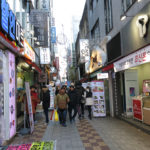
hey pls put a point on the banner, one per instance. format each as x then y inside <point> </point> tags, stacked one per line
<point>28,94</point>
<point>84,50</point>
<point>44,56</point>
<point>53,34</point>
<point>99,108</point>
<point>137,109</point>
<point>137,58</point>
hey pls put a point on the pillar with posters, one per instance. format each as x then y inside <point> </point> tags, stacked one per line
<point>99,107</point>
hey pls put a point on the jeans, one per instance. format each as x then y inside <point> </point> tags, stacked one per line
<point>62,115</point>
<point>46,115</point>
<point>70,109</point>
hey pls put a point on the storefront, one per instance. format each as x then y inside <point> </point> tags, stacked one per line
<point>132,70</point>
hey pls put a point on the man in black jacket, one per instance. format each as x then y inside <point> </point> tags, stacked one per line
<point>72,105</point>
<point>46,101</point>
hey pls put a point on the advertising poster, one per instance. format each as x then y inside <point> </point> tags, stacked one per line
<point>52,96</point>
<point>29,106</point>
<point>12,114</point>
<point>137,109</point>
<point>99,108</point>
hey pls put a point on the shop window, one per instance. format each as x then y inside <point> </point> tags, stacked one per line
<point>108,15</point>
<point>126,4</point>
<point>96,31</point>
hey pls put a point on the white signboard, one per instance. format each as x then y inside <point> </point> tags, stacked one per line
<point>29,106</point>
<point>140,57</point>
<point>84,50</point>
<point>99,108</point>
<point>102,75</point>
<point>44,56</point>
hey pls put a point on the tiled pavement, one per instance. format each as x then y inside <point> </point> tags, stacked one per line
<point>98,134</point>
<point>89,137</point>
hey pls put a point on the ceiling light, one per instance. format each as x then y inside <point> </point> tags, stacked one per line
<point>123,17</point>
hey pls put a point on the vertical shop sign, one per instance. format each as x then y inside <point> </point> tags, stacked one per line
<point>29,106</point>
<point>99,108</point>
<point>84,50</point>
<point>137,109</point>
<point>53,34</point>
<point>44,56</point>
<point>12,109</point>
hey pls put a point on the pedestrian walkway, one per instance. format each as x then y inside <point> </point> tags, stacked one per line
<point>96,134</point>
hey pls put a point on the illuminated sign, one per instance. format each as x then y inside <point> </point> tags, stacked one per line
<point>102,76</point>
<point>8,23</point>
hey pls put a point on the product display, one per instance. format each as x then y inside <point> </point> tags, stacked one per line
<point>99,108</point>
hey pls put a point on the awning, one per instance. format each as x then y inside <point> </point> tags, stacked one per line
<point>33,65</point>
<point>108,67</point>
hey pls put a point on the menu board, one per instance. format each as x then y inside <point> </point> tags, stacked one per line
<point>29,106</point>
<point>12,101</point>
<point>99,108</point>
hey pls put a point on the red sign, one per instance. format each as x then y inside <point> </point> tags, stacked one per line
<point>137,109</point>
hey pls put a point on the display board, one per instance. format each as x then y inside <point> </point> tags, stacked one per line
<point>12,97</point>
<point>99,108</point>
<point>28,94</point>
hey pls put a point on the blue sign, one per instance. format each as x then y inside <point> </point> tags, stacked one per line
<point>53,34</point>
<point>9,24</point>
<point>4,15</point>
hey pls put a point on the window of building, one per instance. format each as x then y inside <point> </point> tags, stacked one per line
<point>108,15</point>
<point>96,31</point>
<point>126,4</point>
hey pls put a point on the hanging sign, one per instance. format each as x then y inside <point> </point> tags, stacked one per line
<point>102,75</point>
<point>84,50</point>
<point>44,56</point>
<point>137,58</point>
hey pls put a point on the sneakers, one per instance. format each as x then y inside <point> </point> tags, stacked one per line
<point>64,125</point>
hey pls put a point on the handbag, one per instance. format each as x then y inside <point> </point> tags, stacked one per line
<point>56,116</point>
<point>89,101</point>
<point>83,100</point>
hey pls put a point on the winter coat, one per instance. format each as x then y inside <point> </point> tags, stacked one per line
<point>46,99</point>
<point>73,98</point>
<point>80,92</point>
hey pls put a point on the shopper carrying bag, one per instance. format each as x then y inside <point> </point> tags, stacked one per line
<point>89,101</point>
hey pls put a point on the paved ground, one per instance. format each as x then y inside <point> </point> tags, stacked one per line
<point>98,134</point>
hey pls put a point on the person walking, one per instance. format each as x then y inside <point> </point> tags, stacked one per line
<point>72,105</point>
<point>46,102</point>
<point>89,101</point>
<point>61,101</point>
<point>80,104</point>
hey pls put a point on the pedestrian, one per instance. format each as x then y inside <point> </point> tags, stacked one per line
<point>89,101</point>
<point>80,104</point>
<point>57,90</point>
<point>34,100</point>
<point>61,101</point>
<point>72,105</point>
<point>46,101</point>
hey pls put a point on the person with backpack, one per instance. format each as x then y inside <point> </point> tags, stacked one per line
<point>80,100</point>
<point>61,101</point>
<point>72,105</point>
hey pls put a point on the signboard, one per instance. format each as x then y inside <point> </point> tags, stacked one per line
<point>44,56</point>
<point>137,58</point>
<point>42,77</point>
<point>102,75</point>
<point>84,50</point>
<point>9,23</point>
<point>28,51</point>
<point>137,109</point>
<point>53,34</point>
<point>57,63</point>
<point>44,5</point>
<point>99,108</point>
<point>28,94</point>
<point>12,93</point>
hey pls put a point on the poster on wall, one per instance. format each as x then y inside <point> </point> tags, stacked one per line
<point>99,108</point>
<point>12,99</point>
<point>29,106</point>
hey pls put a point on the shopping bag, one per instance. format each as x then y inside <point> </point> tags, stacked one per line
<point>56,116</point>
<point>52,116</point>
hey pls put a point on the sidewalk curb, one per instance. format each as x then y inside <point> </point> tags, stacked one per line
<point>138,127</point>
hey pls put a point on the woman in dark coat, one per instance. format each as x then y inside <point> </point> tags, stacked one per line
<point>46,101</point>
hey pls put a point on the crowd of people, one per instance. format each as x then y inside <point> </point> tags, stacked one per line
<point>72,100</point>
<point>69,101</point>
